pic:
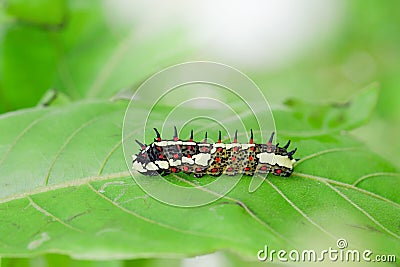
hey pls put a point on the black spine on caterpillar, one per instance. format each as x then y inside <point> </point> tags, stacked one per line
<point>200,158</point>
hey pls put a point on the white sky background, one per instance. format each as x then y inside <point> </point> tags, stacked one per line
<point>253,34</point>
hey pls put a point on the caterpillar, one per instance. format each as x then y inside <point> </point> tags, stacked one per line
<point>163,157</point>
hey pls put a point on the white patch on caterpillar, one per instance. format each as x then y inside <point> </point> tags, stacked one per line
<point>134,157</point>
<point>246,146</point>
<point>284,161</point>
<point>161,143</point>
<point>187,160</point>
<point>151,166</point>
<point>189,143</point>
<point>273,159</point>
<point>174,162</point>
<point>174,143</point>
<point>162,164</point>
<point>213,149</point>
<point>138,167</point>
<point>202,159</point>
<point>265,157</point>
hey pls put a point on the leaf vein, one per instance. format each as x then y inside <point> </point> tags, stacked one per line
<point>47,213</point>
<point>362,178</point>
<point>369,193</point>
<point>23,132</point>
<point>362,210</point>
<point>82,181</point>
<point>298,209</point>
<point>240,203</point>
<point>108,156</point>
<point>319,153</point>
<point>112,151</point>
<point>163,225</point>
<point>73,134</point>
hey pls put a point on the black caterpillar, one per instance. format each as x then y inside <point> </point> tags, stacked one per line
<point>172,156</point>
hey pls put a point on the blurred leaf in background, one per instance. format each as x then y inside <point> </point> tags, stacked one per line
<point>76,50</point>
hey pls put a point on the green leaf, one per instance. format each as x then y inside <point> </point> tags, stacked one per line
<point>66,189</point>
<point>310,119</point>
<point>121,58</point>
<point>65,261</point>
<point>32,11</point>
<point>88,56</point>
<point>27,71</point>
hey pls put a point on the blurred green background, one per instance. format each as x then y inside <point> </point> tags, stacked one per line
<point>311,50</point>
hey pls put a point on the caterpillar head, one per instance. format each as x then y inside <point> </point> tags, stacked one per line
<point>142,161</point>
